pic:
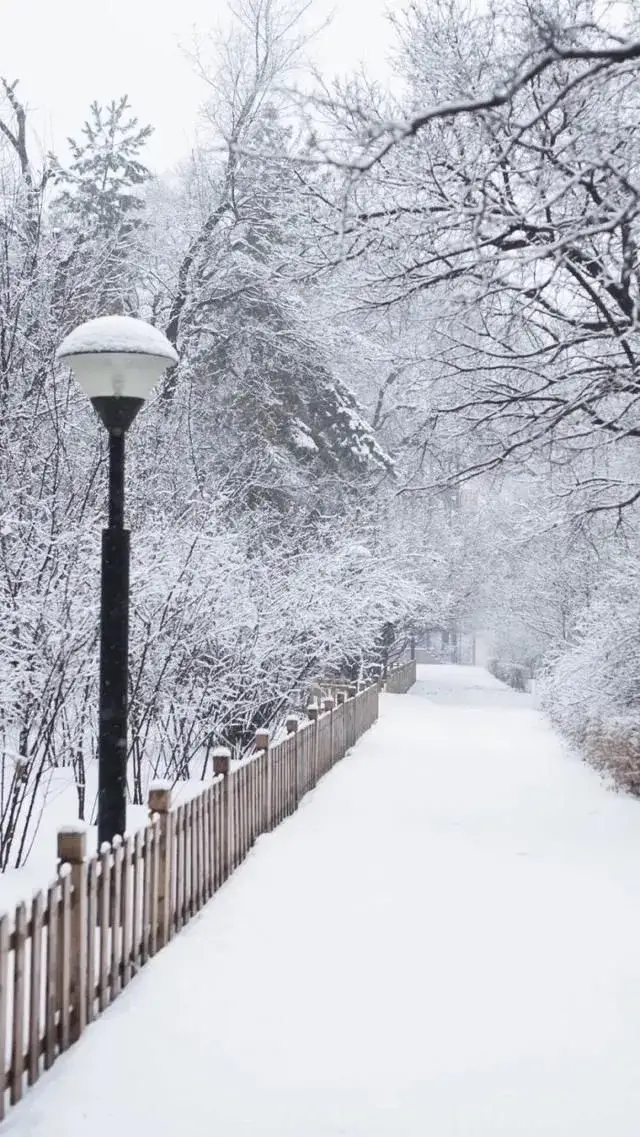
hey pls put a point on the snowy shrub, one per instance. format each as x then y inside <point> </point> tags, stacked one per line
<point>592,690</point>
<point>514,674</point>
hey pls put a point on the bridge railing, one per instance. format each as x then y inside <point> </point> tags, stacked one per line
<point>69,953</point>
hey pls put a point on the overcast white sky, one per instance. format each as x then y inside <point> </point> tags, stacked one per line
<point>68,52</point>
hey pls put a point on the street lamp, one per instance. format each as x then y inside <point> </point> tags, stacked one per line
<point>116,360</point>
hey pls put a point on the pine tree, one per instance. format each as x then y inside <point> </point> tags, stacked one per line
<point>100,183</point>
<point>101,206</point>
<point>260,361</point>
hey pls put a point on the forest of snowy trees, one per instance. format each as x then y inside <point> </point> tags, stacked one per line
<point>406,396</point>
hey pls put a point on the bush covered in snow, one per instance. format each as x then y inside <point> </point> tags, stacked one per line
<point>592,689</point>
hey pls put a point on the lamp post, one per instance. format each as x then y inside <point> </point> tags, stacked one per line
<point>116,360</point>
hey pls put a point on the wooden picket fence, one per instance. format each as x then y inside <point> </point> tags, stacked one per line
<point>69,954</point>
<point>401,677</point>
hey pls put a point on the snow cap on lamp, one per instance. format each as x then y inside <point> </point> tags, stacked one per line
<point>117,360</point>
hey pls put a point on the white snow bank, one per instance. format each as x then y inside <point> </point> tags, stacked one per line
<point>456,676</point>
<point>466,686</point>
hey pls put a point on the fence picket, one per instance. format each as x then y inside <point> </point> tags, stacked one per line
<point>244,806</point>
<point>179,867</point>
<point>220,833</point>
<point>127,909</point>
<point>204,850</point>
<point>105,896</point>
<point>198,815</point>
<point>250,812</point>
<point>240,789</point>
<point>244,786</point>
<point>116,918</point>
<point>92,922</point>
<point>184,882</point>
<point>66,948</point>
<point>146,892</point>
<point>17,1049</point>
<point>4,1008</point>
<point>35,980</point>
<point>215,837</point>
<point>52,977</point>
<point>154,885</point>
<point>236,826</point>
<point>138,886</point>
<point>193,856</point>
<point>233,819</point>
<point>186,902</point>
<point>209,844</point>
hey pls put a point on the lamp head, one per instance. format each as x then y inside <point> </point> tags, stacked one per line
<point>117,361</point>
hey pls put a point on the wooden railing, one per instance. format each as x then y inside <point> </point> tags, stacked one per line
<point>67,956</point>
<point>401,677</point>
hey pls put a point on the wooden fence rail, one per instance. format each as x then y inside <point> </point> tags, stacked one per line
<point>69,954</point>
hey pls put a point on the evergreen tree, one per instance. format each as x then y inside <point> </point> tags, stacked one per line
<point>100,206</point>
<point>100,183</point>
<point>259,360</point>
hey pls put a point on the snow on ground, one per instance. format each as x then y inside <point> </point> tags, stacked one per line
<point>445,941</point>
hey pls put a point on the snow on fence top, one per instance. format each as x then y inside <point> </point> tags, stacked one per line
<point>77,829</point>
<point>161,785</point>
<point>117,334</point>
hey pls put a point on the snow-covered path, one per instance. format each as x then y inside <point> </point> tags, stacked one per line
<point>444,941</point>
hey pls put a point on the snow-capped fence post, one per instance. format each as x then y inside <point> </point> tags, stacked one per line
<point>380,677</point>
<point>341,720</point>
<point>262,744</point>
<point>328,706</point>
<point>72,851</point>
<point>222,766</point>
<point>292,726</point>
<point>160,806</point>
<point>352,733</point>
<point>313,713</point>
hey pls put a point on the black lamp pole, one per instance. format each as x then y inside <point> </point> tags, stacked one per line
<point>117,415</point>
<point>114,355</point>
